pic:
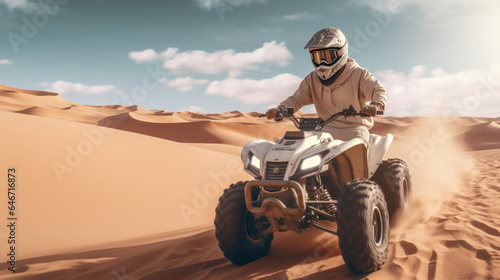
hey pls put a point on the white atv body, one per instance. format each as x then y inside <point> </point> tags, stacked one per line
<point>260,157</point>
<point>307,176</point>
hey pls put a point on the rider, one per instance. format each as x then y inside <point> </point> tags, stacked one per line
<point>337,82</point>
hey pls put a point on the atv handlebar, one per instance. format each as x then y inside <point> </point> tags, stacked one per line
<point>282,113</point>
<point>289,113</point>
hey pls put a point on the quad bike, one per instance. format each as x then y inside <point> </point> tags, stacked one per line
<point>307,176</point>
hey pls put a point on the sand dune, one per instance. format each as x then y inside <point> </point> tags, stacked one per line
<point>122,192</point>
<point>136,183</point>
<point>10,95</point>
<point>483,136</point>
<point>72,113</point>
<point>200,131</point>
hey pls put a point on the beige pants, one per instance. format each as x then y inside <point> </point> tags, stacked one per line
<point>346,134</point>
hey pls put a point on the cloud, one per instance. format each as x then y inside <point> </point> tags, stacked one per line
<point>429,92</point>
<point>151,55</point>
<point>193,109</point>
<point>199,61</point>
<point>391,6</point>
<point>302,16</point>
<point>225,4</point>
<point>6,61</point>
<point>430,8</point>
<point>24,5</point>
<point>397,6</point>
<point>63,87</point>
<point>184,83</point>
<point>148,55</point>
<point>249,91</point>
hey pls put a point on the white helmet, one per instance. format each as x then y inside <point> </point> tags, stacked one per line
<point>328,50</point>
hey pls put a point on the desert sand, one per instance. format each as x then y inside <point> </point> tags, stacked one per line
<point>122,192</point>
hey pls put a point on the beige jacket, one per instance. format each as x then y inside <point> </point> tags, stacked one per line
<point>355,86</point>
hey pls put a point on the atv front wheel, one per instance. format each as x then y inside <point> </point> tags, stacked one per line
<point>393,176</point>
<point>238,230</point>
<point>363,226</point>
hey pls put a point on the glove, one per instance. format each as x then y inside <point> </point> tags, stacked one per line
<point>272,114</point>
<point>370,110</point>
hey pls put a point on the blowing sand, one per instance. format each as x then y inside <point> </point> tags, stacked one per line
<point>121,192</point>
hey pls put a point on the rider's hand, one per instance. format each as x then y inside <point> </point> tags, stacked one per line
<point>272,114</point>
<point>370,110</point>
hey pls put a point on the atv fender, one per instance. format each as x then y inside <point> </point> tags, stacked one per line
<point>352,157</point>
<point>378,147</point>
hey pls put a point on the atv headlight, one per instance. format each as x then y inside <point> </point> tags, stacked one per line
<point>255,162</point>
<point>310,162</point>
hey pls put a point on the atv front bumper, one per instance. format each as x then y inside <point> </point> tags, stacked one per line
<point>281,215</point>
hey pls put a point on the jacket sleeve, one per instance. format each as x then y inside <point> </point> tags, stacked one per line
<point>371,90</point>
<point>301,97</point>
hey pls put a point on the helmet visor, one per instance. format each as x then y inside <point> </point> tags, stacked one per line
<point>325,56</point>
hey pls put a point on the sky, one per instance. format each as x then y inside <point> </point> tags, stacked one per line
<point>215,56</point>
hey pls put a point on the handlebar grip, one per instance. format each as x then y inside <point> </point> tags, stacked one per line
<point>261,116</point>
<point>380,113</point>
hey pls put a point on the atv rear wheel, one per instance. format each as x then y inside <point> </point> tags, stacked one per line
<point>238,230</point>
<point>363,226</point>
<point>393,177</point>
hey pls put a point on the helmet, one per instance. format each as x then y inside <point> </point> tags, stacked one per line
<point>328,50</point>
